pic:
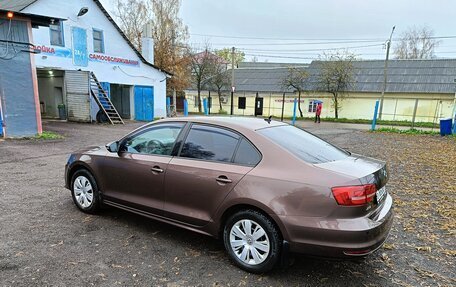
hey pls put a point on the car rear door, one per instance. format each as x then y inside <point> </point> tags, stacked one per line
<point>206,170</point>
<point>134,177</point>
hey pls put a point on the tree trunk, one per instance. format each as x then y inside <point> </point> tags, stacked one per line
<point>220,99</point>
<point>336,107</point>
<point>299,103</point>
<point>199,101</point>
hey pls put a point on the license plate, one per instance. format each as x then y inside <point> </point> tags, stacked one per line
<point>381,194</point>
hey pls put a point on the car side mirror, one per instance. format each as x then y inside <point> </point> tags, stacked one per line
<point>113,147</point>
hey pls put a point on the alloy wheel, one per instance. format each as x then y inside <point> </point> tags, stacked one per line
<point>83,191</point>
<point>249,242</point>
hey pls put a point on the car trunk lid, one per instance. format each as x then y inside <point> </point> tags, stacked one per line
<point>366,170</point>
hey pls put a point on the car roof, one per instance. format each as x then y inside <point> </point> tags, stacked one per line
<point>248,123</point>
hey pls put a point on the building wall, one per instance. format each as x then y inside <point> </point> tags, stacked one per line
<point>353,106</point>
<point>134,72</point>
<point>18,81</point>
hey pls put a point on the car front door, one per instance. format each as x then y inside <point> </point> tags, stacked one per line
<point>199,179</point>
<point>134,176</point>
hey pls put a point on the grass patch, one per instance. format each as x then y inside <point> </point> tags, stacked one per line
<point>47,135</point>
<point>408,132</point>
<point>364,121</point>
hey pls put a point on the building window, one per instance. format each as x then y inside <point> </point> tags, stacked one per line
<point>56,34</point>
<point>196,99</point>
<point>312,106</point>
<point>98,41</point>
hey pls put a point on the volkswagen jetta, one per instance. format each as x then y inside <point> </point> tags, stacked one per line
<point>264,187</point>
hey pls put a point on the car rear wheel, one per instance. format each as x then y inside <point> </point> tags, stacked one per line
<point>84,191</point>
<point>252,241</point>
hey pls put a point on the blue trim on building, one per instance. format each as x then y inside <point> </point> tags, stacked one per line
<point>144,103</point>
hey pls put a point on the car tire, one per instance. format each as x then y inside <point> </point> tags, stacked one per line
<point>248,251</point>
<point>84,191</point>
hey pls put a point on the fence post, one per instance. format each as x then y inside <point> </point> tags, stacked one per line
<point>374,120</point>
<point>168,106</point>
<point>185,108</point>
<point>209,103</point>
<point>294,111</point>
<point>454,123</point>
<point>205,106</point>
<point>414,113</point>
<point>283,107</point>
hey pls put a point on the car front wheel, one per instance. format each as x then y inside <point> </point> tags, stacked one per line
<point>84,191</point>
<point>252,241</point>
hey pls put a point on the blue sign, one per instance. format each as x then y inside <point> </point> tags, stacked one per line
<point>80,54</point>
<point>55,51</point>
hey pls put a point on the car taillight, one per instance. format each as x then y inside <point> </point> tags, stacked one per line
<point>354,195</point>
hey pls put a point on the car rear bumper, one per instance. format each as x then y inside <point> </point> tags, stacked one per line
<point>339,237</point>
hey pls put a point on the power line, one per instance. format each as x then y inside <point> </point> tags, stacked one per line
<point>310,50</point>
<point>325,40</point>
<point>287,39</point>
<point>291,44</point>
<point>282,57</point>
<point>323,49</point>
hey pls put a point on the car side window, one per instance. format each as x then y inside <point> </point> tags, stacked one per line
<point>210,143</point>
<point>247,154</point>
<point>157,140</point>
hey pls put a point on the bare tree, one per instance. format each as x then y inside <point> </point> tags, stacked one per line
<point>132,15</point>
<point>226,54</point>
<point>220,80</point>
<point>416,43</point>
<point>296,79</point>
<point>202,66</point>
<point>336,76</point>
<point>170,35</point>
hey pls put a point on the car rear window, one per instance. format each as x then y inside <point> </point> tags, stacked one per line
<point>304,145</point>
<point>246,154</point>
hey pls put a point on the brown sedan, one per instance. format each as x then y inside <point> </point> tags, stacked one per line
<point>266,188</point>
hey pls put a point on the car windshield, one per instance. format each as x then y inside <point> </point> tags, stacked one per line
<point>304,145</point>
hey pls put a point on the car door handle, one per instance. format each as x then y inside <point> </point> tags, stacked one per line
<point>223,179</point>
<point>156,169</point>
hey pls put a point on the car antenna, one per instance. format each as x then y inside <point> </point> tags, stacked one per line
<point>268,119</point>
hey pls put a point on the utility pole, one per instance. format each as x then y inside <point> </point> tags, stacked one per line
<point>232,80</point>
<point>385,73</point>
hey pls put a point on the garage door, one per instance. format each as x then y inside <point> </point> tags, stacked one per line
<point>144,103</point>
<point>78,99</point>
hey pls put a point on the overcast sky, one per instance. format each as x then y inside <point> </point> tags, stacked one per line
<point>301,24</point>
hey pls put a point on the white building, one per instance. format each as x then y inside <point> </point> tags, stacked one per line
<point>90,41</point>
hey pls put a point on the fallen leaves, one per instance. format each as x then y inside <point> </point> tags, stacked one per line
<point>423,185</point>
<point>424,248</point>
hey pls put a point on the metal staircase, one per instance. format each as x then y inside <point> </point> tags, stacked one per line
<point>103,101</point>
